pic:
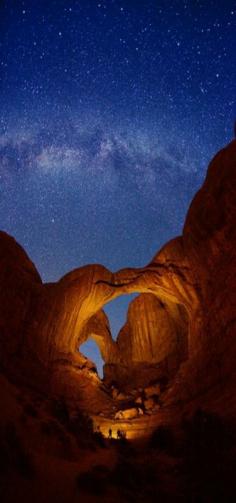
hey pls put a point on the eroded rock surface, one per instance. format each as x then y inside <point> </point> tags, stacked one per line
<point>20,284</point>
<point>42,326</point>
<point>154,330</point>
<point>152,343</point>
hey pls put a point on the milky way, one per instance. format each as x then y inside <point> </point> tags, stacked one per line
<point>110,112</point>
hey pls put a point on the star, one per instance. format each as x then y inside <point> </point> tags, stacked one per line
<point>107,115</point>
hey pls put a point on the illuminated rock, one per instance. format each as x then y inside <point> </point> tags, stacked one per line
<point>154,329</point>
<point>209,238</point>
<point>183,320</point>
<point>128,413</point>
<point>140,411</point>
<point>122,396</point>
<point>156,333</point>
<point>149,403</point>
<point>152,390</point>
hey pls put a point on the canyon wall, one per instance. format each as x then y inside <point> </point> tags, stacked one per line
<point>154,330</point>
<point>19,285</point>
<point>193,276</point>
<point>209,237</point>
<point>152,343</point>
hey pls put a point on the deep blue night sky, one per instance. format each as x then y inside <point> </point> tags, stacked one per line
<point>110,112</point>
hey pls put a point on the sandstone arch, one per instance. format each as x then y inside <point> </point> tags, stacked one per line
<point>64,308</point>
<point>155,333</point>
<point>42,324</point>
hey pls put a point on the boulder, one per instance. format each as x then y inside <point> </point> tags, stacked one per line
<point>122,396</point>
<point>149,404</point>
<point>152,390</point>
<point>127,413</point>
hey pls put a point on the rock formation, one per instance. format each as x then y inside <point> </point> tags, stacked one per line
<point>153,330</point>
<point>20,283</point>
<point>187,296</point>
<point>152,343</point>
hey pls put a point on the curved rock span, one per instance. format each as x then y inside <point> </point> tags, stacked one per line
<point>179,331</point>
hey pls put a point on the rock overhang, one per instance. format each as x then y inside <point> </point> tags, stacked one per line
<point>41,325</point>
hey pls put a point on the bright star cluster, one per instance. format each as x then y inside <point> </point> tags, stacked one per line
<point>110,112</point>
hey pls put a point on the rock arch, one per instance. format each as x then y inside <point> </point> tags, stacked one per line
<point>155,332</point>
<point>65,308</point>
<point>42,324</point>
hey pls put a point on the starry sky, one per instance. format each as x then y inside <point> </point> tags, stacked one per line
<point>110,112</point>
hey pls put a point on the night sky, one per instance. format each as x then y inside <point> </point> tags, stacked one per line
<point>110,112</point>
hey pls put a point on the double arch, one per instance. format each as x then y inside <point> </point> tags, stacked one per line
<point>66,307</point>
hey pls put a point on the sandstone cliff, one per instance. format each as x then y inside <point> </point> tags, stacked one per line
<point>193,276</point>
<point>19,282</point>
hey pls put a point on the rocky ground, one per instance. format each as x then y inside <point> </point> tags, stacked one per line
<point>169,379</point>
<point>48,452</point>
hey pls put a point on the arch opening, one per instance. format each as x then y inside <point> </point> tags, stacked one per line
<point>117,310</point>
<point>151,339</point>
<point>151,345</point>
<point>90,350</point>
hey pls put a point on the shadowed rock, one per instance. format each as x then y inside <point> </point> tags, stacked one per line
<point>42,326</point>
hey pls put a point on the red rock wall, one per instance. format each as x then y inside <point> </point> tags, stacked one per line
<point>154,330</point>
<point>196,270</point>
<point>20,282</point>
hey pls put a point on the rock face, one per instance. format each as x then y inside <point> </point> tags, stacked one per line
<point>186,309</point>
<point>210,242</point>
<point>98,329</point>
<point>153,342</point>
<point>154,330</point>
<point>20,284</point>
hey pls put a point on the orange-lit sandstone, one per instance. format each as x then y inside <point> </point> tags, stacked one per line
<point>193,277</point>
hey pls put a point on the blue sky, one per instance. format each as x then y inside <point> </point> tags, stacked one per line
<point>110,112</point>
